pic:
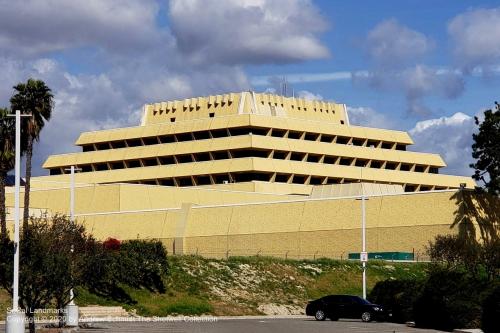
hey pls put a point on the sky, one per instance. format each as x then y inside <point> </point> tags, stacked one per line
<point>426,67</point>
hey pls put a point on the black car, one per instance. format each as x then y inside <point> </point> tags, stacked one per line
<point>345,306</point>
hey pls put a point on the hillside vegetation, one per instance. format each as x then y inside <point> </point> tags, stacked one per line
<point>252,285</point>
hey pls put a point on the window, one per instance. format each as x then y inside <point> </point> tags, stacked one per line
<point>172,120</point>
<point>211,114</point>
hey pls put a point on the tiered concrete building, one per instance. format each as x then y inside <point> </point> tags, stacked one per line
<point>245,137</point>
<point>249,173</point>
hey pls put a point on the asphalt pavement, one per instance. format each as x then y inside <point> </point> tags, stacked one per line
<point>265,325</point>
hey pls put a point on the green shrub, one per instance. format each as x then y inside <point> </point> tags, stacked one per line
<point>491,311</point>
<point>449,299</point>
<point>397,296</point>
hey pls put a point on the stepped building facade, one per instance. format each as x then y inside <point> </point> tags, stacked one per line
<point>245,137</point>
<point>249,173</point>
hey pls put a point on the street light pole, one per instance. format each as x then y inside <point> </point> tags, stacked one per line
<point>16,318</point>
<point>363,236</point>
<point>71,310</point>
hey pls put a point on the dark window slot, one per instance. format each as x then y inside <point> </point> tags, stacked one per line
<point>297,156</point>
<point>203,180</point>
<point>186,181</point>
<point>316,181</point>
<point>219,133</point>
<point>133,164</point>
<point>294,135</point>
<point>150,162</point>
<point>386,145</point>
<point>419,168</point>
<point>358,142</point>
<point>391,166</point>
<point>327,138</point>
<point>117,165</point>
<point>187,158</point>
<point>201,157</point>
<point>434,170</point>
<point>102,146</point>
<point>343,140</point>
<point>345,161</point>
<point>313,158</point>
<point>220,155</point>
<point>184,137</point>
<point>152,140</point>
<point>400,147</point>
<point>329,160</point>
<point>165,160</point>
<point>376,164</point>
<point>282,178</point>
<point>101,167</point>
<point>278,133</point>
<point>88,148</point>
<point>299,179</point>
<point>86,168</point>
<point>167,139</point>
<point>54,172</point>
<point>280,155</point>
<point>405,167</point>
<point>361,163</point>
<point>201,135</point>
<point>311,136</point>
<point>134,142</point>
<point>167,182</point>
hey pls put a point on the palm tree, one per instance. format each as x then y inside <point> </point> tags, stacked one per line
<point>7,129</point>
<point>35,98</point>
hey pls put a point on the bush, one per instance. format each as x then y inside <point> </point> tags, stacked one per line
<point>491,311</point>
<point>397,296</point>
<point>449,299</point>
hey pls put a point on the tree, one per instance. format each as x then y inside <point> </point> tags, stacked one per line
<point>35,98</point>
<point>49,269</point>
<point>7,137</point>
<point>486,150</point>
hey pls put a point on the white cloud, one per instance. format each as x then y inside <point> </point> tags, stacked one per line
<point>368,117</point>
<point>114,56</point>
<point>397,52</point>
<point>476,36</point>
<point>35,27</point>
<point>309,95</point>
<point>390,43</point>
<point>451,137</point>
<point>247,32</point>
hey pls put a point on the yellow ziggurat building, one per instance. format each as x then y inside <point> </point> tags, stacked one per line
<point>249,173</point>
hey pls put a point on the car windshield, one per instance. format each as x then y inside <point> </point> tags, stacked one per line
<point>363,301</point>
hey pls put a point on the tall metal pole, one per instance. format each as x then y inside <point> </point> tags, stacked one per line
<point>15,296</point>
<point>363,234</point>
<point>15,318</point>
<point>72,218</point>
<point>71,310</point>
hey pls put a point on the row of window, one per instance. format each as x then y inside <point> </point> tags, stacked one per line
<point>248,176</point>
<point>244,153</point>
<point>237,131</point>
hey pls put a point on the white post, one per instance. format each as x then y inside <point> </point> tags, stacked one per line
<point>15,318</point>
<point>363,233</point>
<point>71,310</point>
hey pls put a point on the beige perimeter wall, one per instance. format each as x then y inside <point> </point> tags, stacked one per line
<point>285,228</point>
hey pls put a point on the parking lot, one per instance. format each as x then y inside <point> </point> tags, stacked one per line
<point>265,325</point>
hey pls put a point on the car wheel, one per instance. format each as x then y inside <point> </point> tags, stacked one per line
<point>366,317</point>
<point>320,315</point>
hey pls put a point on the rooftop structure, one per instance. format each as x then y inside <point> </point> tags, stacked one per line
<point>246,137</point>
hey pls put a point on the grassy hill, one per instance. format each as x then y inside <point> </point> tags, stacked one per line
<point>250,285</point>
